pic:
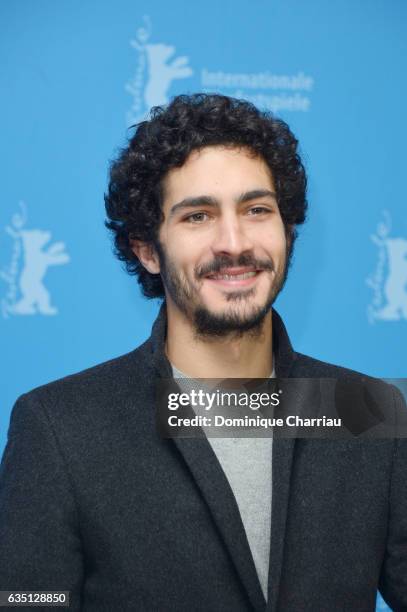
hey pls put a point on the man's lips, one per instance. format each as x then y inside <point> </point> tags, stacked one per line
<point>236,277</point>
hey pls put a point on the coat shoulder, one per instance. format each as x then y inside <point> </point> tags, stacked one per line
<point>100,385</point>
<point>353,386</point>
<point>309,367</point>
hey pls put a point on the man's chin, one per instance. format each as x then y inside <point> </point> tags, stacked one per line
<point>229,323</point>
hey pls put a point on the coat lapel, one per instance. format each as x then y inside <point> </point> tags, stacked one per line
<point>219,497</point>
<point>283,454</point>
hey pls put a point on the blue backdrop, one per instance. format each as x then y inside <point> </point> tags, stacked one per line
<point>76,74</point>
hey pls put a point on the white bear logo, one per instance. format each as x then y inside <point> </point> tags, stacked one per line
<point>152,90</point>
<point>390,291</point>
<point>162,73</point>
<point>35,296</point>
<point>27,294</point>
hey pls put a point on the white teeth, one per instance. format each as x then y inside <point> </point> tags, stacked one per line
<point>234,276</point>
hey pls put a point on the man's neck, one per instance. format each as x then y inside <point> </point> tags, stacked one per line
<point>245,356</point>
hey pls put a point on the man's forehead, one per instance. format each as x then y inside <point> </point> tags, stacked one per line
<point>206,170</point>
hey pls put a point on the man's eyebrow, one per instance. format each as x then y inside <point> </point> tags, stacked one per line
<point>194,202</point>
<point>254,194</point>
<point>206,200</point>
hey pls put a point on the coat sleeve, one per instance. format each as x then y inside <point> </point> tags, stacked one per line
<point>40,547</point>
<point>393,579</point>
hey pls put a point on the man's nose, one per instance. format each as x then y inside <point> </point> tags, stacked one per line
<point>230,236</point>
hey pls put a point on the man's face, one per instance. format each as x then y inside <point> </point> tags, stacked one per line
<point>222,245</point>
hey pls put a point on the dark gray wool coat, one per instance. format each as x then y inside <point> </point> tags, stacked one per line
<point>94,501</point>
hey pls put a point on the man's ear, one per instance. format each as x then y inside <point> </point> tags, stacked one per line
<point>147,255</point>
<point>290,234</point>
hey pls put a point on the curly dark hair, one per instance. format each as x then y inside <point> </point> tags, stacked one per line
<point>134,197</point>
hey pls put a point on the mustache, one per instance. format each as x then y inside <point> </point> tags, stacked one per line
<point>225,261</point>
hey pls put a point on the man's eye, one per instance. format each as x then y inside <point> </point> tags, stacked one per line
<point>258,210</point>
<point>198,217</point>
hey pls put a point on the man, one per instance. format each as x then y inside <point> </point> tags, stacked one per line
<point>204,204</point>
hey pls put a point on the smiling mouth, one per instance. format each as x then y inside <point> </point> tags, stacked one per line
<point>234,276</point>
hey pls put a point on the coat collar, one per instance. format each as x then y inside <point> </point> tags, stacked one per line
<point>214,486</point>
<point>282,348</point>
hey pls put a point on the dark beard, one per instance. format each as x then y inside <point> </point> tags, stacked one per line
<point>231,325</point>
<point>206,323</point>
